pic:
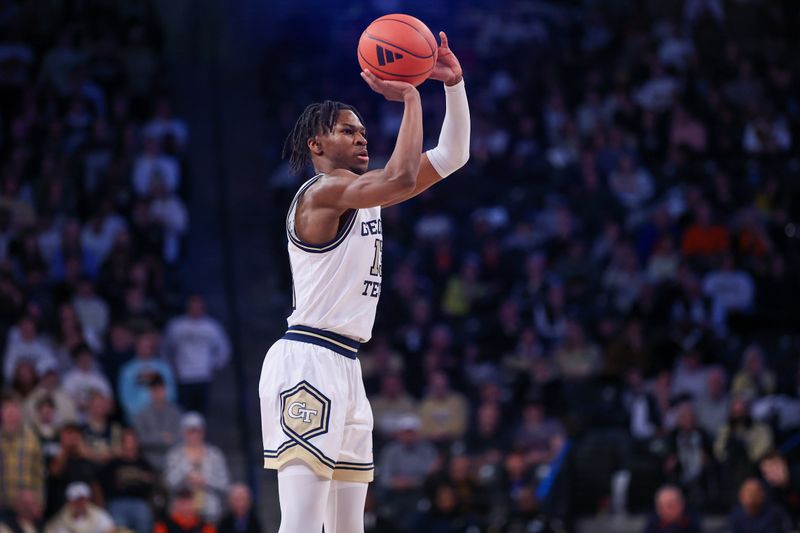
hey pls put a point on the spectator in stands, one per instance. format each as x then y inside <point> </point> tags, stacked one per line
<point>136,374</point>
<point>241,517</point>
<point>50,386</point>
<point>443,412</point>
<point>24,515</point>
<point>671,515</point>
<point>80,514</point>
<point>24,343</point>
<point>198,466</point>
<point>576,357</point>
<point>704,238</point>
<point>538,437</point>
<point>128,485</point>
<point>100,433</point>
<point>690,377</point>
<point>165,127</point>
<point>632,185</point>
<point>690,455</point>
<point>92,310</point>
<point>713,405</point>
<point>755,513</point>
<point>391,404</point>
<point>47,428</point>
<point>118,352</point>
<point>403,466</point>
<point>489,439</point>
<point>154,164</point>
<point>24,380</point>
<point>199,347</point>
<point>753,380</point>
<point>183,516</point>
<point>782,482</point>
<point>21,460</point>
<point>730,290</point>
<point>742,442</point>
<point>158,424</point>
<point>169,218</point>
<point>70,464</point>
<point>85,378</point>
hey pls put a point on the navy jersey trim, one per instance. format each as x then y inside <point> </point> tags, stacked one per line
<point>316,248</point>
<point>327,339</point>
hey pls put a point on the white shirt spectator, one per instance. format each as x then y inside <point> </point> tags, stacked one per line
<point>154,165</point>
<point>656,94</point>
<point>729,289</point>
<point>19,349</point>
<point>171,213</point>
<point>93,313</point>
<point>197,347</point>
<point>632,187</point>
<point>97,237</point>
<point>80,383</point>
<point>160,127</point>
<point>764,136</point>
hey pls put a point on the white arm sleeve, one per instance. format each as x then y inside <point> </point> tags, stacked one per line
<point>452,152</point>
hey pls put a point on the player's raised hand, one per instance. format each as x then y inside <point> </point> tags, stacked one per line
<point>394,91</point>
<point>447,67</point>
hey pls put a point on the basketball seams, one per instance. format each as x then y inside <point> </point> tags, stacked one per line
<point>409,52</point>
<point>377,68</point>
<point>424,38</point>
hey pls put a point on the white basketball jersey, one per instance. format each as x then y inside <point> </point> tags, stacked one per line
<point>336,285</point>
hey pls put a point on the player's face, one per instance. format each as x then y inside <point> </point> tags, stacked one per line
<point>346,145</point>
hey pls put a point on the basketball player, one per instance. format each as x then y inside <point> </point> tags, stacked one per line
<point>316,420</point>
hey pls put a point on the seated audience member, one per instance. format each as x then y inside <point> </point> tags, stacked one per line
<point>21,461</point>
<point>80,515</point>
<point>712,406</point>
<point>391,404</point>
<point>404,464</point>
<point>753,380</point>
<point>241,517</point>
<point>183,516</point>
<point>782,482</point>
<point>46,427</point>
<point>24,515</point>
<point>443,411</point>
<point>755,513</point>
<point>100,433</point>
<point>742,442</point>
<point>671,515</point>
<point>50,385</point>
<point>84,377</point>
<point>198,466</point>
<point>158,424</point>
<point>129,482</point>
<point>538,437</point>
<point>690,457</point>
<point>71,464</point>
<point>135,375</point>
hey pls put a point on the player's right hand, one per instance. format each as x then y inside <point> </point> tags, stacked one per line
<point>394,91</point>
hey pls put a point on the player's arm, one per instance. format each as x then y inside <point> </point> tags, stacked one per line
<point>343,189</point>
<point>452,152</point>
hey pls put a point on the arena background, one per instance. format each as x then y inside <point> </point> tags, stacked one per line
<point>602,302</point>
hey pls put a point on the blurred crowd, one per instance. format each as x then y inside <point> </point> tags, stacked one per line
<point>602,305</point>
<point>106,361</point>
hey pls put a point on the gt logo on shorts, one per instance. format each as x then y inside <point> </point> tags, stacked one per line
<point>298,410</point>
<point>305,411</point>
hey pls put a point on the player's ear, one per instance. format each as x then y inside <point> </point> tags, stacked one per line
<point>314,145</point>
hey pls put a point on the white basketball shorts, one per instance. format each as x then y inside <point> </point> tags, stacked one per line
<point>314,406</point>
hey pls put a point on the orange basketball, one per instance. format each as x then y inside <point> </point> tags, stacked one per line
<point>398,47</point>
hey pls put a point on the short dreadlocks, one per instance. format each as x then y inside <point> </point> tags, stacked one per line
<point>316,119</point>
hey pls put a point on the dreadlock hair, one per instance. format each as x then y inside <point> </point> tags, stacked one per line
<point>316,119</point>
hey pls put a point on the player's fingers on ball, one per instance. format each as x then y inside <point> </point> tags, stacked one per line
<point>443,38</point>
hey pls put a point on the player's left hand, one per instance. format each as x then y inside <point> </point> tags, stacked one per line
<point>447,67</point>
